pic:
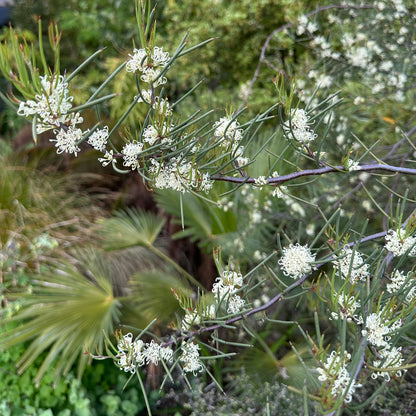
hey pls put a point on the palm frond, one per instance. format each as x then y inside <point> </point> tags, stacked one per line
<point>65,314</point>
<point>131,228</point>
<point>152,294</point>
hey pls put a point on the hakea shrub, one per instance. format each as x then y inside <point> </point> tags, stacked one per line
<point>367,291</point>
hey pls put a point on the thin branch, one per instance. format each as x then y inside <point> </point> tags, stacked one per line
<point>321,171</point>
<point>271,302</point>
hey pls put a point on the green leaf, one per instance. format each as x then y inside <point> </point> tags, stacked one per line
<point>65,315</point>
<point>131,228</point>
<point>152,293</point>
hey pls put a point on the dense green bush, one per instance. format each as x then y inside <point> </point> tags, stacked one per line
<point>100,393</point>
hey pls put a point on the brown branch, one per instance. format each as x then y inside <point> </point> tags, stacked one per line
<point>320,171</point>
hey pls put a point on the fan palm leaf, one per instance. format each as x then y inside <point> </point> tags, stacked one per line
<point>131,228</point>
<point>152,294</point>
<point>66,314</point>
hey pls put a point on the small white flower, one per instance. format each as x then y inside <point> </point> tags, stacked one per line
<point>166,354</point>
<point>130,153</point>
<point>150,135</point>
<point>279,191</point>
<point>162,106</point>
<point>348,306</point>
<point>151,75</point>
<point>411,294</point>
<point>159,57</point>
<point>235,304</point>
<point>126,342</point>
<point>150,64</point>
<point>389,358</point>
<point>107,159</point>
<point>147,96</point>
<point>210,311</point>
<point>190,357</point>
<point>66,140</point>
<point>191,318</point>
<point>227,129</point>
<point>353,165</point>
<point>297,261</point>
<point>377,333</point>
<point>126,355</point>
<point>336,374</point>
<point>225,288</point>
<point>398,244</point>
<point>151,353</point>
<point>231,277</point>
<point>397,281</point>
<point>137,61</point>
<point>260,181</point>
<point>351,265</point>
<point>98,139</point>
<point>138,345</point>
<point>298,126</point>
<point>179,175</point>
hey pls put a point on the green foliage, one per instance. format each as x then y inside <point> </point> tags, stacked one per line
<point>240,29</point>
<point>102,391</point>
<point>131,228</point>
<point>204,222</point>
<point>248,396</point>
<point>90,24</point>
<point>162,304</point>
<point>246,223</point>
<point>67,313</point>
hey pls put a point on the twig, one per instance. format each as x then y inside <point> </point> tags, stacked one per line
<point>321,171</point>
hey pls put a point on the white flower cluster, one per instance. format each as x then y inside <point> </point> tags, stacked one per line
<point>353,165</point>
<point>388,358</point>
<point>297,261</point>
<point>190,357</point>
<point>398,244</point>
<point>347,306</point>
<point>98,139</point>
<point>228,131</point>
<point>152,134</point>
<point>378,334</point>
<point>52,106</point>
<point>107,159</point>
<point>52,109</point>
<point>279,191</point>
<point>130,154</point>
<point>401,282</point>
<point>225,291</point>
<point>298,126</point>
<point>160,105</point>
<point>150,64</point>
<point>305,25</point>
<point>192,317</point>
<point>133,354</point>
<point>179,175</point>
<point>336,374</point>
<point>376,61</point>
<point>260,181</point>
<point>351,265</point>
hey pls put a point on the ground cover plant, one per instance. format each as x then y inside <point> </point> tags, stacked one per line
<point>307,204</point>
